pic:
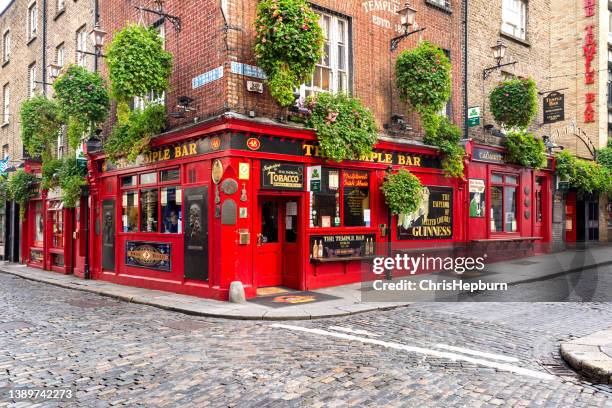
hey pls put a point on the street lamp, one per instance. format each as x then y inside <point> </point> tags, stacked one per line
<point>97,37</point>
<point>499,52</point>
<point>54,70</point>
<point>408,20</point>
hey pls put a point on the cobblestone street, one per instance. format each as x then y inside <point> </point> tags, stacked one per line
<point>115,353</point>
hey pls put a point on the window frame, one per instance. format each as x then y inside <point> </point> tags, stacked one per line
<point>60,50</point>
<point>522,12</point>
<point>32,25</point>
<point>32,77</point>
<point>81,40</point>
<point>309,88</point>
<point>6,46</point>
<point>159,185</point>
<point>504,184</point>
<point>60,5</point>
<point>6,103</point>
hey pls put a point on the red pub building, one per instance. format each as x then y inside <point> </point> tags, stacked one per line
<point>234,192</point>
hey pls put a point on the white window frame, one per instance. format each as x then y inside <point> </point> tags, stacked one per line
<point>60,54</point>
<point>6,103</point>
<point>5,153</point>
<point>32,74</point>
<point>6,46</point>
<point>333,46</point>
<point>61,5</point>
<point>32,20</point>
<point>514,18</point>
<point>81,45</point>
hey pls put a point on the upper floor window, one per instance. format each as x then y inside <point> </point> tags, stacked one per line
<point>32,20</point>
<point>5,151</point>
<point>514,18</point>
<point>332,73</point>
<point>61,5</point>
<point>6,113</point>
<point>59,55</point>
<point>6,46</point>
<point>31,80</point>
<point>81,46</point>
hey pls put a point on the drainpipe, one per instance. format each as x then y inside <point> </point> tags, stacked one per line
<point>96,21</point>
<point>44,46</point>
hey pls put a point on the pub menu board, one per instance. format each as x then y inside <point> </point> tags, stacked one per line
<point>281,176</point>
<point>432,220</point>
<point>356,198</point>
<point>330,247</point>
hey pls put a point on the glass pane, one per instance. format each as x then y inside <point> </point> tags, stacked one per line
<point>323,209</point>
<point>325,22</point>
<point>511,179</point>
<point>497,178</point>
<point>325,59</point>
<point>342,84</point>
<point>316,79</point>
<point>40,226</point>
<point>538,206</point>
<point>170,175</point>
<point>341,57</point>
<point>149,209</point>
<point>356,199</point>
<point>171,200</point>
<point>57,229</point>
<point>326,79</point>
<point>269,222</point>
<point>129,211</point>
<point>148,178</point>
<point>291,225</point>
<point>510,209</point>
<point>128,181</point>
<point>496,209</point>
<point>341,31</point>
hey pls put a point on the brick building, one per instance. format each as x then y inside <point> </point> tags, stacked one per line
<point>35,34</point>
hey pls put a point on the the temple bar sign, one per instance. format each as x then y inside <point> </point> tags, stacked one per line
<point>554,108</point>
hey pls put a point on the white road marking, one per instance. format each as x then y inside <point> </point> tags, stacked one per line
<point>421,350</point>
<point>353,331</point>
<point>477,353</point>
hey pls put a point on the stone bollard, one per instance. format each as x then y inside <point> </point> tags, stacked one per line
<point>236,292</point>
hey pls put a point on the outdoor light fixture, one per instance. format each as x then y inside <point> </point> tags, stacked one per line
<point>499,52</point>
<point>97,37</point>
<point>408,20</point>
<point>54,70</point>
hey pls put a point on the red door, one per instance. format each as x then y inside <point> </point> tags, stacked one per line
<point>277,246</point>
<point>570,217</point>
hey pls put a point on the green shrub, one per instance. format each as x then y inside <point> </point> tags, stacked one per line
<point>40,126</point>
<point>514,103</point>
<point>50,173</point>
<point>525,149</point>
<point>440,132</point>
<point>22,187</point>
<point>71,178</point>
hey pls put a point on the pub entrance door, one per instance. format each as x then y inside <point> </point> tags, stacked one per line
<point>277,260</point>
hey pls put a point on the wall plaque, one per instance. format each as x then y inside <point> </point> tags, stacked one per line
<point>229,212</point>
<point>217,171</point>
<point>229,186</point>
<point>149,255</point>
<point>281,176</point>
<point>432,220</point>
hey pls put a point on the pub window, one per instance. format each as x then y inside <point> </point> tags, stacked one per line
<point>169,175</point>
<point>538,199</point>
<point>129,212</point>
<point>332,72</point>
<point>148,210</point>
<point>39,224</point>
<point>129,181</point>
<point>56,214</point>
<point>148,178</point>
<point>356,196</point>
<point>503,203</point>
<point>171,200</point>
<point>326,203</point>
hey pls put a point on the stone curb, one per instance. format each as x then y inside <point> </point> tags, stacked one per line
<point>266,315</point>
<point>586,355</point>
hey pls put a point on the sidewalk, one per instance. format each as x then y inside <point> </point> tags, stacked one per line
<point>591,355</point>
<point>347,299</point>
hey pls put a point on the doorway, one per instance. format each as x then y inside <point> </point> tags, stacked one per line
<point>277,260</point>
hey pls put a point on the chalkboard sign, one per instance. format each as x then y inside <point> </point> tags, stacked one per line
<point>356,198</point>
<point>432,220</point>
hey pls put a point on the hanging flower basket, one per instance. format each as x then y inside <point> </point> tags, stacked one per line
<point>514,103</point>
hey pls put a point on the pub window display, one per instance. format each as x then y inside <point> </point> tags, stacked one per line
<point>156,208</point>
<point>346,189</point>
<point>503,203</point>
<point>39,224</point>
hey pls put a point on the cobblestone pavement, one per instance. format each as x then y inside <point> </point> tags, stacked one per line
<point>118,354</point>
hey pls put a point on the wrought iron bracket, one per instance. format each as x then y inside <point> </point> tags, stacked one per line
<point>487,71</point>
<point>176,21</point>
<point>397,40</point>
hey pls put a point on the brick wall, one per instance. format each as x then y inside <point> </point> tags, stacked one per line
<point>532,55</point>
<point>61,28</point>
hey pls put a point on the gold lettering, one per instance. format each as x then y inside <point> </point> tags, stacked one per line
<point>177,152</point>
<point>185,151</point>
<point>388,158</point>
<point>308,149</point>
<point>417,161</point>
<point>192,148</point>
<point>401,159</point>
<point>166,154</point>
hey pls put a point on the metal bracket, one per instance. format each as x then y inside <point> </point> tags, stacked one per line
<point>487,71</point>
<point>176,21</point>
<point>396,40</point>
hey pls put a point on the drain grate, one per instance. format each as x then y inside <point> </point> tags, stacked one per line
<point>16,325</point>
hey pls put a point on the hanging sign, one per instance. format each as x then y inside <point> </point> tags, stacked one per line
<point>432,220</point>
<point>281,176</point>
<point>474,116</point>
<point>488,155</point>
<point>554,108</point>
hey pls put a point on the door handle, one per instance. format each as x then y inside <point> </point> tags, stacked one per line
<point>259,239</point>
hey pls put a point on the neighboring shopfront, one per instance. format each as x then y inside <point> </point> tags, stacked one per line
<point>239,200</point>
<point>510,210</point>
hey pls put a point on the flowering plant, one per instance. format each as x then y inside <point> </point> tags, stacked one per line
<point>514,103</point>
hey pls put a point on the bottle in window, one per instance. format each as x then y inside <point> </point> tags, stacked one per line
<point>315,250</point>
<point>320,251</point>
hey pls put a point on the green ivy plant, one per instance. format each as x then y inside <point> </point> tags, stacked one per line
<point>40,126</point>
<point>138,63</point>
<point>604,156</point>
<point>584,175</point>
<point>3,191</point>
<point>423,77</point>
<point>345,128</point>
<point>288,45</point>
<point>525,149</point>
<point>514,103</point>
<point>50,173</point>
<point>22,188</point>
<point>71,178</point>
<point>440,132</point>
<point>403,192</point>
<point>133,136</point>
